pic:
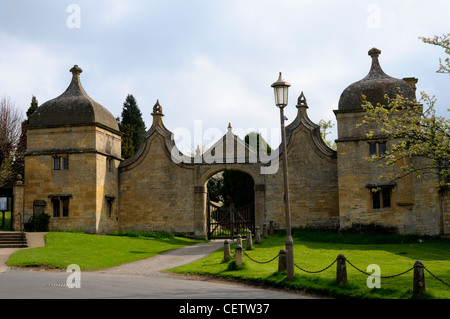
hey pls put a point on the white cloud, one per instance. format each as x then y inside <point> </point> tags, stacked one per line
<point>28,69</point>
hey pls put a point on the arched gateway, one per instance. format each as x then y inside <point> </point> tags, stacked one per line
<point>74,172</point>
<point>162,189</point>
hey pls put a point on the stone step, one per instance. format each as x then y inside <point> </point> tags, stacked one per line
<point>13,240</point>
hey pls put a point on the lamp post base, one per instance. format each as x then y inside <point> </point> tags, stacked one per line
<point>290,258</point>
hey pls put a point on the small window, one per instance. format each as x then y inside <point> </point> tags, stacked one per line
<point>386,197</point>
<point>381,198</point>
<point>376,203</point>
<point>109,207</point>
<point>382,148</point>
<point>373,149</point>
<point>65,162</point>
<point>57,163</point>
<point>109,164</point>
<point>56,207</point>
<point>65,206</point>
<point>60,204</point>
<point>377,149</point>
<point>109,199</point>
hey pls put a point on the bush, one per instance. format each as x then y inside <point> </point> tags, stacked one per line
<point>38,223</point>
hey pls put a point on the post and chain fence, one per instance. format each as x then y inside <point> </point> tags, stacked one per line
<point>418,266</point>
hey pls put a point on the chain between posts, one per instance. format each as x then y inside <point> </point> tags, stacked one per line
<point>358,269</point>
<point>260,262</point>
<point>383,277</point>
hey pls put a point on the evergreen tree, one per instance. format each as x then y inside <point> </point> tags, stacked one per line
<point>33,107</point>
<point>132,125</point>
<point>18,166</point>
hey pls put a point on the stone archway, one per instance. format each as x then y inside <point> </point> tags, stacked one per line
<point>205,172</point>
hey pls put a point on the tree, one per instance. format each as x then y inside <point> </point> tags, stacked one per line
<point>420,140</point>
<point>19,158</point>
<point>444,42</point>
<point>214,185</point>
<point>237,188</point>
<point>324,127</point>
<point>132,125</point>
<point>250,139</point>
<point>33,107</point>
<point>10,130</point>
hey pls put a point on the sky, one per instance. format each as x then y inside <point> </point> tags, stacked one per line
<point>212,62</point>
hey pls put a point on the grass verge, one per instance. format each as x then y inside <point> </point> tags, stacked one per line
<point>93,252</point>
<point>315,251</point>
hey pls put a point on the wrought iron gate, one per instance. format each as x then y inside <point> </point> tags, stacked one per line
<point>228,222</point>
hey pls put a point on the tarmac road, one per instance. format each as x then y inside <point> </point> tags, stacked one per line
<point>20,284</point>
<point>136,280</point>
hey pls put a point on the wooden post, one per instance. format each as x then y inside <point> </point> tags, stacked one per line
<point>239,240</point>
<point>226,250</point>
<point>341,270</point>
<point>238,255</point>
<point>249,240</point>
<point>282,261</point>
<point>257,235</point>
<point>265,230</point>
<point>419,278</point>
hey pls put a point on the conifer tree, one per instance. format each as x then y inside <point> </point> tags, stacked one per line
<point>132,125</point>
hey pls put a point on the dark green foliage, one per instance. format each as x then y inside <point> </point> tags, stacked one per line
<point>132,125</point>
<point>237,188</point>
<point>33,107</point>
<point>38,223</point>
<point>260,142</point>
<point>214,186</point>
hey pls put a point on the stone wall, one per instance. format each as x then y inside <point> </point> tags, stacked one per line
<point>155,193</point>
<point>445,202</point>
<point>313,188</point>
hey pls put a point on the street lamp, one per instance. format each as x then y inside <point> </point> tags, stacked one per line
<point>281,100</point>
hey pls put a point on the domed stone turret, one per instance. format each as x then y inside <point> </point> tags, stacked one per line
<point>73,107</point>
<point>374,86</point>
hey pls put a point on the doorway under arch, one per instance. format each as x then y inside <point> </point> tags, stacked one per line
<point>230,204</point>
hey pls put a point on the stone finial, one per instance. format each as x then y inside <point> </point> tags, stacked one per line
<point>375,70</point>
<point>157,109</point>
<point>76,70</point>
<point>374,52</point>
<point>229,126</point>
<point>301,101</point>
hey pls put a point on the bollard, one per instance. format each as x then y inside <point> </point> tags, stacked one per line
<point>419,278</point>
<point>271,228</point>
<point>239,240</point>
<point>226,250</point>
<point>265,230</point>
<point>249,240</point>
<point>238,255</point>
<point>257,235</point>
<point>341,270</point>
<point>282,261</point>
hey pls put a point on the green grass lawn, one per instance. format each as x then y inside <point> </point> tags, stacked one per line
<point>93,252</point>
<point>315,252</point>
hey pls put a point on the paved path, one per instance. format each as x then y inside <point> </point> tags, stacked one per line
<point>33,240</point>
<point>170,259</point>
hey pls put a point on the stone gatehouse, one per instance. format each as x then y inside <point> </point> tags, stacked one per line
<point>74,171</point>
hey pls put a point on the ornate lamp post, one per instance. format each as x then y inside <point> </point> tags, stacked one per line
<point>281,100</point>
